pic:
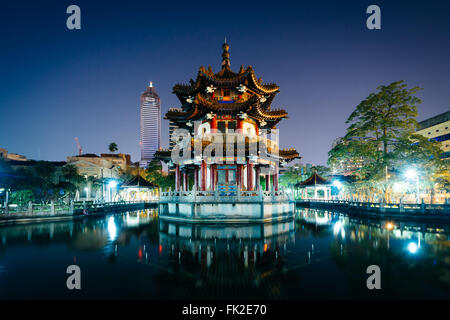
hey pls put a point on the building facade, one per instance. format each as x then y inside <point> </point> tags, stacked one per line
<point>91,165</point>
<point>120,160</point>
<point>437,128</point>
<point>4,154</point>
<point>150,120</point>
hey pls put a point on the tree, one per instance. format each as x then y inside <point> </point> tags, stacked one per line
<point>154,174</point>
<point>44,173</point>
<point>21,197</point>
<point>288,179</point>
<point>73,181</point>
<point>382,134</point>
<point>113,147</point>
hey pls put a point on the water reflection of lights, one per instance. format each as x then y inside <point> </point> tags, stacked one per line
<point>339,227</point>
<point>132,221</point>
<point>321,220</point>
<point>112,229</point>
<point>412,247</point>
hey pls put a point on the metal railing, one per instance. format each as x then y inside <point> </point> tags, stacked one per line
<point>32,209</point>
<point>381,207</point>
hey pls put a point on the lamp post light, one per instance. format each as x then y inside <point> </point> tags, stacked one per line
<point>112,185</point>
<point>87,193</point>
<point>339,186</point>
<point>412,174</point>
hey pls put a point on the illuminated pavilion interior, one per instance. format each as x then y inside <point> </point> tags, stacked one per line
<point>138,189</point>
<point>314,188</point>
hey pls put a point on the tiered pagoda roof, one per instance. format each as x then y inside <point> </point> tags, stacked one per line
<point>248,97</point>
<point>197,99</point>
<point>138,182</point>
<point>313,180</point>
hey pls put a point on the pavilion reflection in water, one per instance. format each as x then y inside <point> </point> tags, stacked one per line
<point>209,243</point>
<point>288,259</point>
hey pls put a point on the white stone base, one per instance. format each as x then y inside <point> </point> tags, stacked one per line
<point>226,211</point>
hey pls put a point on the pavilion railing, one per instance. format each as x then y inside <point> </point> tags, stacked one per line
<point>224,196</point>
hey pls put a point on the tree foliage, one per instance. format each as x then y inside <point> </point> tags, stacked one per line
<point>113,147</point>
<point>381,133</point>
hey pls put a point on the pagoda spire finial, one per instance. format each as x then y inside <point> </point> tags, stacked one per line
<point>225,55</point>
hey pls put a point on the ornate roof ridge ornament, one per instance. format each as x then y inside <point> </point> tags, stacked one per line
<point>210,89</point>
<point>243,115</point>
<point>225,55</point>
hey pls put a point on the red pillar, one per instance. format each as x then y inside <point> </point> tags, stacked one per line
<point>238,177</point>
<point>257,186</point>
<point>249,176</point>
<point>196,179</point>
<point>185,183</point>
<point>212,174</point>
<point>275,178</point>
<point>240,125</point>
<point>214,124</point>
<point>203,187</point>
<point>177,178</point>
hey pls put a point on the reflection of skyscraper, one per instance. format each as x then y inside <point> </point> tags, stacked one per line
<point>150,124</point>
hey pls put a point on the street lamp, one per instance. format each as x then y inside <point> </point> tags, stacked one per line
<point>87,193</point>
<point>112,184</point>
<point>338,185</point>
<point>411,174</point>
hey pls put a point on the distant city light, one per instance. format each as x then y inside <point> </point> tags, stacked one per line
<point>412,247</point>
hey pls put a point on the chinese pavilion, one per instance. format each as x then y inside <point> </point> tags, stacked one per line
<point>227,103</point>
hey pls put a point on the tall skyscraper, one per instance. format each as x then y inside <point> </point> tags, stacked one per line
<point>150,140</point>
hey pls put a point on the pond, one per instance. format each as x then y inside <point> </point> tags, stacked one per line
<point>316,255</point>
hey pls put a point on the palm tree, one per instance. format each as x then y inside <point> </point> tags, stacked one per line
<point>113,147</point>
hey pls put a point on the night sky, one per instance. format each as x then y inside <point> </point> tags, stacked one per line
<point>57,84</point>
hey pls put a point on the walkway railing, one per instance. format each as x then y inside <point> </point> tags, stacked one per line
<point>32,209</point>
<point>224,196</point>
<point>380,207</point>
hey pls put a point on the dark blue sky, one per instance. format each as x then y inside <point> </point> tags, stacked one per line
<point>58,84</point>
